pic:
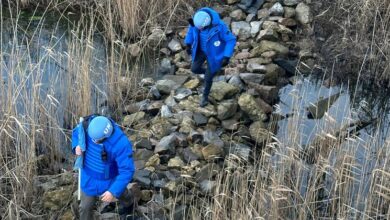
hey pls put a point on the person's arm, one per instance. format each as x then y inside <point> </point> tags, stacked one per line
<point>189,39</point>
<point>75,139</point>
<point>229,39</point>
<point>126,167</point>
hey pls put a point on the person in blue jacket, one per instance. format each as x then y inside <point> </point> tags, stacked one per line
<point>208,38</point>
<point>108,164</point>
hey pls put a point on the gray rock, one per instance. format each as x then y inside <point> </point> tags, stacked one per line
<point>170,101</point>
<point>165,51</point>
<point>189,155</point>
<point>241,150</point>
<point>289,12</point>
<point>159,183</point>
<point>154,108</point>
<point>134,50</point>
<point>276,9</point>
<point>236,81</point>
<point>109,216</point>
<point>156,94</point>
<point>57,199</point>
<point>268,34</point>
<point>208,172</point>
<point>230,2</point>
<point>192,104</point>
<point>156,37</point>
<point>174,45</point>
<point>252,77</point>
<point>227,21</point>
<point>258,132</point>
<point>133,119</point>
<point>303,13</point>
<point>241,29</point>
<point>166,67</point>
<point>182,93</point>
<point>230,124</point>
<point>222,90</point>
<point>144,143</point>
<point>200,119</point>
<point>249,105</point>
<point>207,186</point>
<point>176,162</point>
<point>142,154</point>
<point>262,13</point>
<point>250,18</point>
<point>212,151</point>
<point>167,143</point>
<point>161,127</point>
<point>255,27</point>
<point>165,86</point>
<point>290,2</point>
<point>227,109</point>
<point>166,112</point>
<point>256,68</point>
<point>147,82</point>
<point>265,46</point>
<point>196,137</point>
<point>178,79</point>
<point>237,15</point>
<point>212,138</point>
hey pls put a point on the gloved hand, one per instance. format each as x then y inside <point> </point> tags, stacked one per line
<point>188,49</point>
<point>225,61</point>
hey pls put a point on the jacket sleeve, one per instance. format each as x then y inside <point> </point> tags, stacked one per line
<point>190,36</point>
<point>75,139</point>
<point>229,39</point>
<point>126,167</point>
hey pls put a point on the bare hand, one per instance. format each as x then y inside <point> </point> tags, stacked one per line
<point>107,197</point>
<point>78,151</point>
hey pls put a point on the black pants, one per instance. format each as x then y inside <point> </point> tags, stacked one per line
<point>197,68</point>
<point>88,203</point>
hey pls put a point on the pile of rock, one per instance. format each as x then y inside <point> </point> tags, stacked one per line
<point>179,148</point>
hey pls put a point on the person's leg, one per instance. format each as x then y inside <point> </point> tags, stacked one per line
<point>208,81</point>
<point>197,65</point>
<point>86,206</point>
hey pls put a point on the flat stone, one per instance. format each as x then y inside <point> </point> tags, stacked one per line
<point>249,105</point>
<point>144,143</point>
<point>227,109</point>
<point>223,90</point>
<point>288,22</point>
<point>236,81</point>
<point>174,45</point>
<point>192,84</point>
<point>252,77</point>
<point>166,86</point>
<point>265,46</point>
<point>242,55</point>
<point>133,119</point>
<point>178,79</point>
<point>268,34</point>
<point>183,72</point>
<point>142,154</point>
<point>241,29</point>
<point>192,104</point>
<point>290,2</point>
<point>166,112</point>
<point>262,13</point>
<point>182,93</point>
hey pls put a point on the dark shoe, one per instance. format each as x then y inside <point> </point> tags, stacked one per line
<point>203,101</point>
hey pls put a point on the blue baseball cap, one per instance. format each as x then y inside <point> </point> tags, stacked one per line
<point>202,19</point>
<point>99,128</point>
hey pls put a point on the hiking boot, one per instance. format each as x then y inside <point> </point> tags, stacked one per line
<point>203,101</point>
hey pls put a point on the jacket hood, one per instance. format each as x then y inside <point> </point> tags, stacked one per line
<point>215,19</point>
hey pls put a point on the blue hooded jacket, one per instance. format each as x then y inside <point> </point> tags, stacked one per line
<point>113,175</point>
<point>220,42</point>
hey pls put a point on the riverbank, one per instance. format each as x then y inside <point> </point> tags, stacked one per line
<point>226,160</point>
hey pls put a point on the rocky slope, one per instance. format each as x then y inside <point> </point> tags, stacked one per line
<point>179,148</point>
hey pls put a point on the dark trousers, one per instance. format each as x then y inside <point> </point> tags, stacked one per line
<point>87,204</point>
<point>197,68</point>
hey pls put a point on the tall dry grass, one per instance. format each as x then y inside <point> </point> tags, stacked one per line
<point>357,36</point>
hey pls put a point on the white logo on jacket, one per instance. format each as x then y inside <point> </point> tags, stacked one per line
<point>217,43</point>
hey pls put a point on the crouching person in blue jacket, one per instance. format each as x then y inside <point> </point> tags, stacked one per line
<point>208,38</point>
<point>108,164</point>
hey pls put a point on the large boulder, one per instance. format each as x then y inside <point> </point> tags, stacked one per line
<point>252,77</point>
<point>241,29</point>
<point>165,86</point>
<point>192,104</point>
<point>249,105</point>
<point>178,79</point>
<point>227,109</point>
<point>133,119</point>
<point>222,90</point>
<point>266,45</point>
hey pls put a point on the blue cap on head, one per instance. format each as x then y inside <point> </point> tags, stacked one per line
<point>100,127</point>
<point>202,19</point>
